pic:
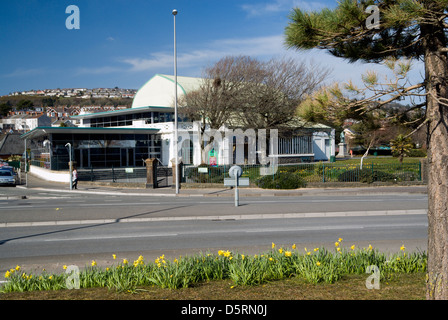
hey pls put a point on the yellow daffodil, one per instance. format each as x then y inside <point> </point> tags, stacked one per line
<point>273,245</point>
<point>280,250</point>
<point>93,263</point>
<point>340,239</point>
<point>220,252</point>
<point>7,274</point>
<point>308,253</point>
<point>64,267</point>
<point>336,244</point>
<point>316,249</point>
<point>352,247</point>
<point>125,261</point>
<point>17,268</point>
<point>317,263</point>
<point>114,256</point>
<point>287,253</point>
<point>402,248</point>
<point>294,246</point>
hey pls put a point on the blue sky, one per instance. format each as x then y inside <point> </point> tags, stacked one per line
<point>125,42</point>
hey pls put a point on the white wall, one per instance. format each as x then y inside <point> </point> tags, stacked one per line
<point>49,175</point>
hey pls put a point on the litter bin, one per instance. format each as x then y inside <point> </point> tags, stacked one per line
<point>332,158</point>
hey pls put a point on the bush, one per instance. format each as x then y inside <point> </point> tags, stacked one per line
<point>281,180</point>
<point>417,153</point>
<point>365,175</point>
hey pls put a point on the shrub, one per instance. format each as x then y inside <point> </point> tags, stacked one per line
<point>365,175</point>
<point>281,180</point>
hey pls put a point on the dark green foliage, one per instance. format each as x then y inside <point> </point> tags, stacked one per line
<point>366,175</point>
<point>281,180</point>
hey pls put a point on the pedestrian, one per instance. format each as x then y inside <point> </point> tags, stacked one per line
<point>75,179</point>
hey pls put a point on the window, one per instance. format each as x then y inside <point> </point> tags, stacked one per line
<point>295,145</point>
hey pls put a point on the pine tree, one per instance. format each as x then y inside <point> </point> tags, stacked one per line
<point>372,31</point>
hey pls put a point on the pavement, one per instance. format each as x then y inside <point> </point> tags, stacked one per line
<point>38,184</point>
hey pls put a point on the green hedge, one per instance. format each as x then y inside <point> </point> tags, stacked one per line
<point>366,175</point>
<point>282,180</point>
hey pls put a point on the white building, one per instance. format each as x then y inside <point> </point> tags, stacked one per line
<point>125,138</point>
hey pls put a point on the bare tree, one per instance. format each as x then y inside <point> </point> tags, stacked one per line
<point>243,92</point>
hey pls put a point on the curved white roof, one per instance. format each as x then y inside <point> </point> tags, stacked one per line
<point>159,91</point>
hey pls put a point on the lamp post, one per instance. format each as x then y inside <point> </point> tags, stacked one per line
<point>176,155</point>
<point>70,163</point>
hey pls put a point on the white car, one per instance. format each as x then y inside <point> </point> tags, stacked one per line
<point>7,177</point>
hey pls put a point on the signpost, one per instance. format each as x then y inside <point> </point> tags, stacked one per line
<point>235,173</point>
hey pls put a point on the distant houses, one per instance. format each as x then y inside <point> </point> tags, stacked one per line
<point>83,93</point>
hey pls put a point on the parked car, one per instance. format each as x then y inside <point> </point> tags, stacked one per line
<point>7,177</point>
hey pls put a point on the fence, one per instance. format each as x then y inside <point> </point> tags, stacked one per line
<point>312,172</point>
<point>124,175</point>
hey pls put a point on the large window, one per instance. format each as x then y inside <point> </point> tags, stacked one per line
<point>126,120</point>
<point>295,145</point>
<point>105,150</point>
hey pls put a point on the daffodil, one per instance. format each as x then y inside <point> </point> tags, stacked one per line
<point>93,263</point>
<point>336,244</point>
<point>352,247</point>
<point>317,263</point>
<point>316,249</point>
<point>280,250</point>
<point>125,261</point>
<point>294,246</point>
<point>64,267</point>
<point>340,239</point>
<point>114,256</point>
<point>273,245</point>
<point>17,268</point>
<point>7,274</point>
<point>402,248</point>
<point>287,253</point>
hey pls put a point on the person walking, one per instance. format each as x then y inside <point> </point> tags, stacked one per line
<point>75,179</point>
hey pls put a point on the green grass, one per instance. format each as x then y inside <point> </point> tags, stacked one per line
<point>315,267</point>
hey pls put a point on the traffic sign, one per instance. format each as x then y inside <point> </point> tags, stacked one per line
<point>230,182</point>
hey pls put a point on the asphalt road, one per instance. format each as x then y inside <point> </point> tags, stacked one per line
<point>48,230</point>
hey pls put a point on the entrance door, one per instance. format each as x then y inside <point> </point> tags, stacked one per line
<point>127,157</point>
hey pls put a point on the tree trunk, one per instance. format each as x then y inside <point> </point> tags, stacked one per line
<point>436,72</point>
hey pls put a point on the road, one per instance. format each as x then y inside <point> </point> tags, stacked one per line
<point>51,229</point>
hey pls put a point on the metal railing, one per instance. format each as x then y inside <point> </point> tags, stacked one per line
<point>123,175</point>
<point>311,172</point>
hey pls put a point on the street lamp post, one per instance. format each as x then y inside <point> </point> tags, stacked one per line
<point>70,163</point>
<point>176,153</point>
